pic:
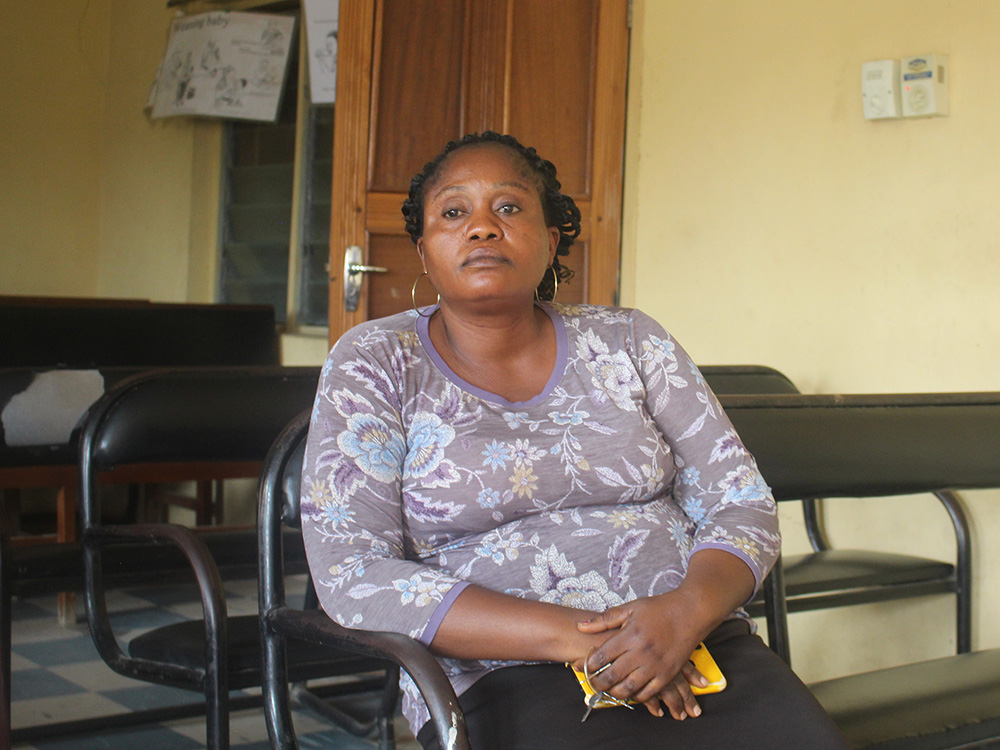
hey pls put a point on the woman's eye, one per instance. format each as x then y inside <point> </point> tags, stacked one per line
<point>508,208</point>
<point>451,213</point>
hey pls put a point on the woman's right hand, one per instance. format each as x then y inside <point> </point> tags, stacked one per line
<point>677,696</point>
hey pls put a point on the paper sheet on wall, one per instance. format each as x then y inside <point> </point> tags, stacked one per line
<point>224,64</point>
<point>321,37</point>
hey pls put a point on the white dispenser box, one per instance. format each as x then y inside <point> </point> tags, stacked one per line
<point>924,82</point>
<point>880,89</point>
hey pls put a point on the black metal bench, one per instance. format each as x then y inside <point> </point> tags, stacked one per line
<point>812,446</point>
<point>74,344</point>
<point>205,438</point>
<point>828,576</point>
<point>876,446</point>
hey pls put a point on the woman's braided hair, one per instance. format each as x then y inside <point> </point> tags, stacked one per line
<point>560,210</point>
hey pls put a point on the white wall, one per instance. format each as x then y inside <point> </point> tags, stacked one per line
<point>768,222</point>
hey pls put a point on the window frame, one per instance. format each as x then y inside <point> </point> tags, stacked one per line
<point>216,190</point>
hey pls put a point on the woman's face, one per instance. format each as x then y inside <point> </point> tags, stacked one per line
<point>485,236</point>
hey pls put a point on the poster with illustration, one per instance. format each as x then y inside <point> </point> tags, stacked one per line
<point>321,37</point>
<point>224,64</point>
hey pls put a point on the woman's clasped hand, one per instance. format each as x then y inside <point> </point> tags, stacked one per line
<point>647,657</point>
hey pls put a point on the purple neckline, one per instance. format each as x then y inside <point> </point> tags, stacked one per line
<point>557,370</point>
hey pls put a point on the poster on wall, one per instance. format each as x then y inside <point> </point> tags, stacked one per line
<point>321,37</point>
<point>224,64</point>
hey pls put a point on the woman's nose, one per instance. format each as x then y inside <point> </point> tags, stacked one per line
<point>483,225</point>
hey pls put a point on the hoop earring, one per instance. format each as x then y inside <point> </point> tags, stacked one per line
<point>413,296</point>
<point>555,285</point>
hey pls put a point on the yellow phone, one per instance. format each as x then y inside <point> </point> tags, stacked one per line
<point>705,664</point>
<point>702,661</point>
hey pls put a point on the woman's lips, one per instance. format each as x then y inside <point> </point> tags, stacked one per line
<point>484,257</point>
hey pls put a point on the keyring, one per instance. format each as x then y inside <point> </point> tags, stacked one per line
<point>600,696</point>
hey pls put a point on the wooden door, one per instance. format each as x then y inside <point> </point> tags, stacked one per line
<point>414,74</point>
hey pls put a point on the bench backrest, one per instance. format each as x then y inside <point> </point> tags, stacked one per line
<point>814,446</point>
<point>198,415</point>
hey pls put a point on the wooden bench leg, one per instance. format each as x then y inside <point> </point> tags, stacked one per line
<point>203,503</point>
<point>206,502</point>
<point>217,501</point>
<point>11,497</point>
<point>66,532</point>
<point>5,631</point>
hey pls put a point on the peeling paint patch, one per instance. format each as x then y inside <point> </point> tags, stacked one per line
<point>46,412</point>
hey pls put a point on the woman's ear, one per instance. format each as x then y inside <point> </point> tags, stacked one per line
<point>420,252</point>
<point>554,236</point>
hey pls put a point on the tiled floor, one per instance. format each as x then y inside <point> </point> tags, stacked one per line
<point>58,676</point>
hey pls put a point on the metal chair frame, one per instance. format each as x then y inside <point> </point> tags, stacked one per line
<point>829,577</point>
<point>278,508</point>
<point>202,417</point>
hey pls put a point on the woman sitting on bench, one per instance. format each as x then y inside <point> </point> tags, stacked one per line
<point>523,485</point>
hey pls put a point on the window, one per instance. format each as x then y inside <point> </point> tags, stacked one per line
<point>275,207</point>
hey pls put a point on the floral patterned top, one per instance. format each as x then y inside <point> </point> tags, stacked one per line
<point>593,493</point>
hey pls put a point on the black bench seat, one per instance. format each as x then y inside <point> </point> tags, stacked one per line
<point>952,702</point>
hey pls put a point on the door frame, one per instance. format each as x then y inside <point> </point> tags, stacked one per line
<point>354,213</point>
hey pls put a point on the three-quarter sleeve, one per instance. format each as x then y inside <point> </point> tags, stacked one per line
<point>352,502</point>
<point>717,485</point>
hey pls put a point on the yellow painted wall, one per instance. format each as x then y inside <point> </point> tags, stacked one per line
<point>147,168</point>
<point>768,222</point>
<point>95,199</point>
<point>54,58</point>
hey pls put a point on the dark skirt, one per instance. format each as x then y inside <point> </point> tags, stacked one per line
<point>540,707</point>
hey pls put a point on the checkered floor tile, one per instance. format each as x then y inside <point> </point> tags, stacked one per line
<point>57,676</point>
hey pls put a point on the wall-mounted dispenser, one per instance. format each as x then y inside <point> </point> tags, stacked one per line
<point>911,87</point>
<point>924,83</point>
<point>880,89</point>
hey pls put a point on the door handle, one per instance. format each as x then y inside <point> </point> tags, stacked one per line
<point>354,271</point>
